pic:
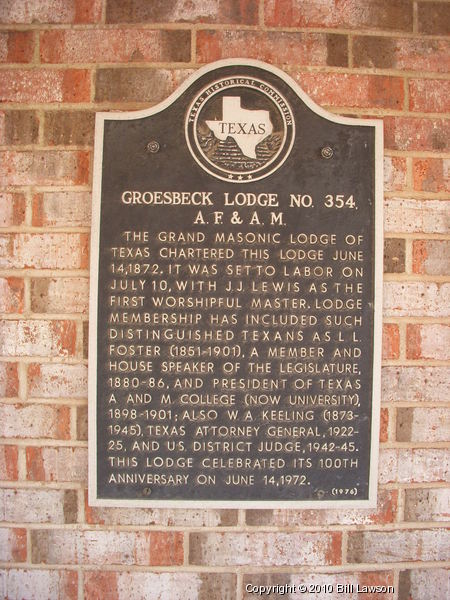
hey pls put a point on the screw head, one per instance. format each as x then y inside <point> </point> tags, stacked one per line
<point>146,491</point>
<point>152,147</point>
<point>327,152</point>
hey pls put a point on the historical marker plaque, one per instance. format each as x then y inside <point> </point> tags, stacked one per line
<point>235,300</point>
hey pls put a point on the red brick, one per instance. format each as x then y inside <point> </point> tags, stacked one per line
<point>354,91</point>
<point>16,46</point>
<point>433,18</point>
<point>115,45</point>
<point>422,425</point>
<point>35,421</point>
<point>409,54</point>
<point>395,546</point>
<point>38,506</point>
<point>413,466</point>
<point>61,295</point>
<point>68,209</point>
<point>427,505</point>
<point>415,384</point>
<point>408,133</point>
<point>384,513</point>
<point>51,11</point>
<point>8,463</point>
<point>56,464</point>
<point>391,341</point>
<point>9,379</point>
<point>428,341</point>
<point>53,380</point>
<point>45,85</point>
<point>107,547</point>
<point>416,299</point>
<point>431,257</point>
<point>403,215</point>
<point>123,585</point>
<point>12,209</point>
<point>11,294</point>
<point>39,583</point>
<point>69,128</point>
<point>394,170</point>
<point>429,95</point>
<point>243,12</point>
<point>13,545</point>
<point>44,167</point>
<point>384,425</point>
<point>352,14</point>
<point>37,338</point>
<point>273,47</point>
<point>431,174</point>
<point>265,549</point>
<point>44,251</point>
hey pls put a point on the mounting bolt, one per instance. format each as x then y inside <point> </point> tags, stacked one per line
<point>152,147</point>
<point>146,491</point>
<point>327,152</point>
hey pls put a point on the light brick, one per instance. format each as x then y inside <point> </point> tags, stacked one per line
<point>107,547</point>
<point>38,506</point>
<point>353,91</point>
<point>409,133</point>
<point>57,464</point>
<point>137,85</point>
<point>422,425</point>
<point>431,257</point>
<point>391,341</point>
<point>278,47</point>
<point>122,585</point>
<point>11,295</point>
<point>264,549</point>
<point>50,11</point>
<point>244,12</point>
<point>429,95</point>
<point>415,384</point>
<point>413,466</point>
<point>69,128</point>
<point>9,380</point>
<point>16,46</point>
<point>353,14</point>
<point>62,295</point>
<point>394,172</point>
<point>8,463</point>
<point>45,167</point>
<point>416,216</point>
<point>433,18</point>
<point>13,545</point>
<point>431,174</point>
<point>416,299</point>
<point>34,421</point>
<point>12,209</point>
<point>427,505</point>
<point>429,341</point>
<point>384,513</point>
<point>409,54</point>
<point>45,85</point>
<point>18,584</point>
<point>67,209</point>
<point>115,45</point>
<point>417,584</point>
<point>37,338</point>
<point>44,251</point>
<point>395,546</point>
<point>53,380</point>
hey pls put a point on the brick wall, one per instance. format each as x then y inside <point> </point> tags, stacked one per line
<point>61,60</point>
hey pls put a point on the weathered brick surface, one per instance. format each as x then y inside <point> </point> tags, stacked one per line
<point>34,421</point>
<point>416,216</point>
<point>431,257</point>
<point>274,47</point>
<point>394,255</point>
<point>50,11</point>
<point>416,299</point>
<point>44,167</point>
<point>429,95</point>
<point>45,85</point>
<point>16,46</point>
<point>278,549</point>
<point>20,127</point>
<point>37,338</point>
<point>13,545</point>
<point>62,295</point>
<point>391,341</point>
<point>422,425</point>
<point>394,171</point>
<point>412,133</point>
<point>12,209</point>
<point>9,379</point>
<point>56,464</point>
<point>395,546</point>
<point>8,463</point>
<point>67,128</point>
<point>434,18</point>
<point>39,583</point>
<point>428,342</point>
<point>416,584</point>
<point>62,209</point>
<point>431,174</point>
<point>427,505</point>
<point>53,380</point>
<point>413,465</point>
<point>38,506</point>
<point>415,384</point>
<point>354,14</point>
<point>11,295</point>
<point>153,548</point>
<point>44,251</point>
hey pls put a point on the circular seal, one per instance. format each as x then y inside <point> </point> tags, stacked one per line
<point>240,129</point>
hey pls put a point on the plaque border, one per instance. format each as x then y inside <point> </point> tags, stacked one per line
<point>100,119</point>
